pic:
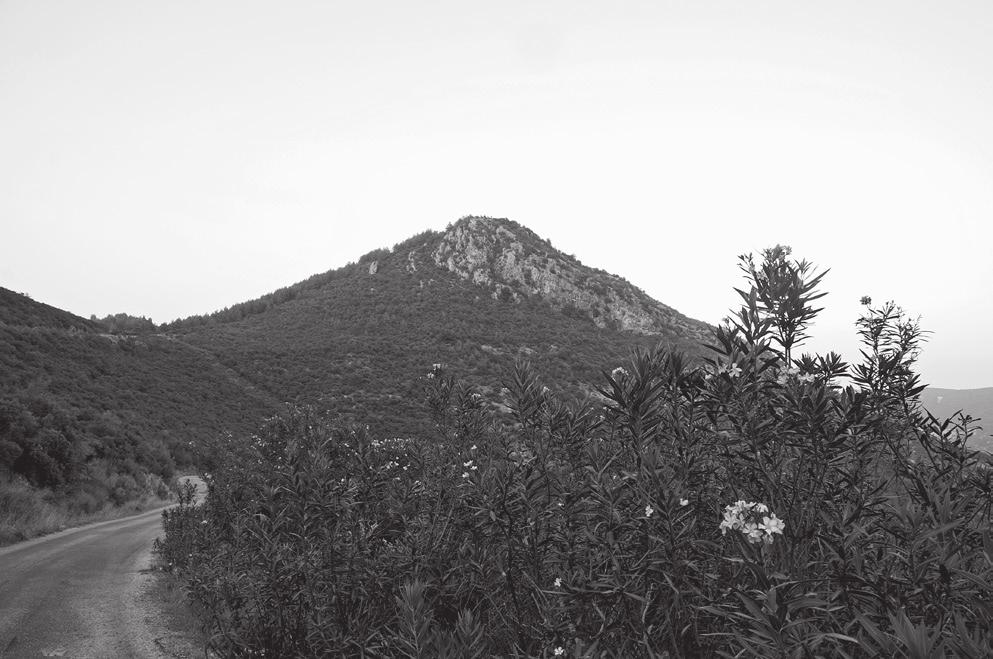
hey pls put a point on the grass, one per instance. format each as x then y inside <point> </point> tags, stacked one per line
<point>181,623</point>
<point>27,512</point>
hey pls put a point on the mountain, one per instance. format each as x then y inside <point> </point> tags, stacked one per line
<point>96,405</point>
<point>360,339</point>
<point>977,403</point>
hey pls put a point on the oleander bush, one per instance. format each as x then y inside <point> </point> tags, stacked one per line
<point>754,503</point>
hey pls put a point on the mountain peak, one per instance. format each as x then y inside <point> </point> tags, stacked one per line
<point>515,263</point>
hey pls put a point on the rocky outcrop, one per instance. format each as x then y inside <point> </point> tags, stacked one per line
<point>514,262</point>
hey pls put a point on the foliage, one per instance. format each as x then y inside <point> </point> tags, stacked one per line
<point>92,418</point>
<point>535,525</point>
<point>122,323</point>
<point>27,511</point>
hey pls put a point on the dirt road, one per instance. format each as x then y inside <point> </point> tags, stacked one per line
<point>82,593</point>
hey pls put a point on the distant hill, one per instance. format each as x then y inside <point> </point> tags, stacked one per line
<point>977,403</point>
<point>95,404</point>
<point>359,339</point>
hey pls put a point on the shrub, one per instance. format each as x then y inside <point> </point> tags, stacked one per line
<point>753,503</point>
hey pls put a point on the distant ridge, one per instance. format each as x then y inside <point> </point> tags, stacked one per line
<point>17,309</point>
<point>978,403</point>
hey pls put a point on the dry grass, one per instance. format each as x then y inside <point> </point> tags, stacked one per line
<point>27,512</point>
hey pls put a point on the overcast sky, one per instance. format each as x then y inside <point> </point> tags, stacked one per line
<point>171,158</point>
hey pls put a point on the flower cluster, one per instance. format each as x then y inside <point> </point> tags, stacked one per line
<point>732,370</point>
<point>786,375</point>
<point>753,520</point>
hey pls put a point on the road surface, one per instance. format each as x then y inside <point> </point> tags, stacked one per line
<point>82,593</point>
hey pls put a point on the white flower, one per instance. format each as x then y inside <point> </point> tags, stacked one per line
<point>472,448</point>
<point>734,371</point>
<point>466,464</point>
<point>745,516</point>
<point>618,373</point>
<point>559,651</point>
<point>773,524</point>
<point>684,502</point>
<point>430,376</point>
<point>465,474</point>
<point>649,510</point>
<point>558,582</point>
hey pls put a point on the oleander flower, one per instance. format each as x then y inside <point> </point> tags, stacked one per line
<point>649,510</point>
<point>772,525</point>
<point>750,519</point>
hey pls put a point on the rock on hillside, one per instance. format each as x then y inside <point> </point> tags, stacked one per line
<point>515,262</point>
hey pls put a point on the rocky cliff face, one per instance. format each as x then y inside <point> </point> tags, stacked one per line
<point>514,262</point>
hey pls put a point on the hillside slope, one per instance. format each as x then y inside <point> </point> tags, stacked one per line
<point>359,340</point>
<point>82,410</point>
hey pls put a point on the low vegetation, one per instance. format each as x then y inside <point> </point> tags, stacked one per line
<point>27,511</point>
<point>93,424</point>
<point>754,503</point>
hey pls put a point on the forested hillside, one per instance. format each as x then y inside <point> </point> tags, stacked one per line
<point>99,411</point>
<point>358,340</point>
<point>102,419</point>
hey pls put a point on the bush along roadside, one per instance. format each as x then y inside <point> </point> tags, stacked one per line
<point>753,504</point>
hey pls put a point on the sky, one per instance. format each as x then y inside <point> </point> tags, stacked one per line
<point>172,158</point>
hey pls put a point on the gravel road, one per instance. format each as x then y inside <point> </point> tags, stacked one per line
<point>83,593</point>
